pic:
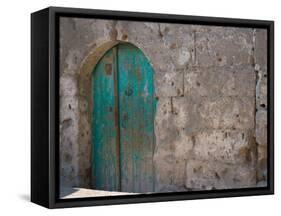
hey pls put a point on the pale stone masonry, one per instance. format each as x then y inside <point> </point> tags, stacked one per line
<point>211,89</point>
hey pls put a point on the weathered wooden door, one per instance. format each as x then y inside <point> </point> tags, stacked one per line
<point>123,121</point>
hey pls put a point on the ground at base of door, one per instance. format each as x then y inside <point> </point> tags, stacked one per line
<point>85,192</point>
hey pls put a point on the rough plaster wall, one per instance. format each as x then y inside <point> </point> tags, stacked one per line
<point>210,83</point>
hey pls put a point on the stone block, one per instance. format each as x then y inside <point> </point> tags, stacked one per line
<point>262,164</point>
<point>227,112</point>
<point>78,37</point>
<point>68,157</point>
<point>179,39</point>
<point>84,140</point>
<point>260,52</point>
<point>169,173</point>
<point>225,81</point>
<point>261,89</point>
<point>179,172</point>
<point>142,34</point>
<point>184,144</point>
<point>160,58</point>
<point>68,85</point>
<point>261,127</point>
<point>69,109</point>
<point>169,83</point>
<point>229,146</point>
<point>164,164</point>
<point>185,114</point>
<point>70,53</point>
<point>163,128</point>
<point>218,46</point>
<point>87,31</point>
<point>206,175</point>
<point>69,150</point>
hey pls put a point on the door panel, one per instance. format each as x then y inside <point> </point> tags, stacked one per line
<point>135,79</point>
<point>105,154</point>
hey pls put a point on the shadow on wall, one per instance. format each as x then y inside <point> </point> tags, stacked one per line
<point>65,191</point>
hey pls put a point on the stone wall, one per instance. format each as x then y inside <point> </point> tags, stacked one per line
<point>211,87</point>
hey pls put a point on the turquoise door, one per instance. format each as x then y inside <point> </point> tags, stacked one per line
<point>123,121</point>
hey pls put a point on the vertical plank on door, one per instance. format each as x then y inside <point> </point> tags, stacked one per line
<point>136,114</point>
<point>105,154</point>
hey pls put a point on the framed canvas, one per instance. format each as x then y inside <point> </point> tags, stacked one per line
<point>139,107</point>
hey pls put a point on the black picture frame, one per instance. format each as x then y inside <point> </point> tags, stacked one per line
<point>45,107</point>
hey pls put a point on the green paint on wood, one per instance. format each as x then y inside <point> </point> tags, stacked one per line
<point>135,76</point>
<point>123,143</point>
<point>104,152</point>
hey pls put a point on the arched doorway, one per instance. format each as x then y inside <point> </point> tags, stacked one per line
<point>123,121</point>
